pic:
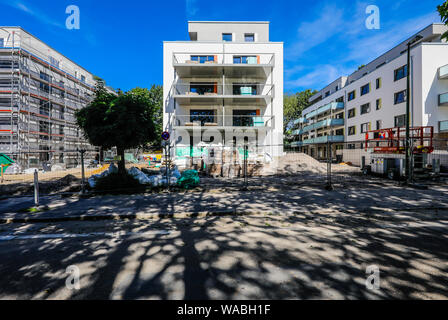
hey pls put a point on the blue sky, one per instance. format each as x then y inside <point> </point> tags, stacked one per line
<point>121,41</point>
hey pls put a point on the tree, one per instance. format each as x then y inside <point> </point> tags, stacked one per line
<point>293,105</point>
<point>154,98</point>
<point>124,121</point>
<point>443,11</point>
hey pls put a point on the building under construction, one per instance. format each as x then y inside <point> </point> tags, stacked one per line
<point>40,90</point>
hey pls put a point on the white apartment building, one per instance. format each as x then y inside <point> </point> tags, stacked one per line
<point>374,97</point>
<point>224,87</point>
<point>40,90</point>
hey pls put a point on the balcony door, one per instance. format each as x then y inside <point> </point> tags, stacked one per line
<point>244,118</point>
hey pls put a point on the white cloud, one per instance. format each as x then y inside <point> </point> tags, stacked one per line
<point>39,15</point>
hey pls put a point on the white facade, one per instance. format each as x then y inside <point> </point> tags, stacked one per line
<point>224,90</point>
<point>381,105</point>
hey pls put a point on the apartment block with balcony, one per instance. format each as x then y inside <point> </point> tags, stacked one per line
<point>374,97</point>
<point>224,85</point>
<point>40,90</point>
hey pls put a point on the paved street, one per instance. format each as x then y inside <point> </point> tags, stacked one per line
<point>288,245</point>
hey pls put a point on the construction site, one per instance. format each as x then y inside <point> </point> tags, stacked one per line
<point>40,90</point>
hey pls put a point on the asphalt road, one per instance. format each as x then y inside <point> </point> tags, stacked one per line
<point>289,256</point>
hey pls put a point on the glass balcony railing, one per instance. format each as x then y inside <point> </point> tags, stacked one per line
<point>229,59</point>
<point>211,120</point>
<point>333,106</point>
<point>320,124</point>
<point>443,99</point>
<point>443,72</point>
<point>324,139</point>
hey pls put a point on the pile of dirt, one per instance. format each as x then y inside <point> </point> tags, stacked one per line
<point>69,183</point>
<point>292,163</point>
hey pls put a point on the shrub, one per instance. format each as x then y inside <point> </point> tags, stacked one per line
<point>119,183</point>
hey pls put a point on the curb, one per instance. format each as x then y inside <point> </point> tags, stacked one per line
<point>138,216</point>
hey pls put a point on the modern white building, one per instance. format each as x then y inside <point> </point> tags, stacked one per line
<point>374,97</point>
<point>40,90</point>
<point>224,87</point>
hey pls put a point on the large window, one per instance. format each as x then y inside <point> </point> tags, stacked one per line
<point>351,95</point>
<point>202,116</point>
<point>400,73</point>
<point>44,76</point>
<point>245,59</point>
<point>351,113</point>
<point>352,130</point>
<point>365,89</point>
<point>245,89</point>
<point>400,97</point>
<point>249,37</point>
<point>400,121</point>
<point>203,88</point>
<point>365,108</point>
<point>244,118</point>
<point>443,126</point>
<point>226,37</point>
<point>202,59</point>
<point>365,127</point>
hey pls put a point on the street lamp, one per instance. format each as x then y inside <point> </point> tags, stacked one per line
<point>408,101</point>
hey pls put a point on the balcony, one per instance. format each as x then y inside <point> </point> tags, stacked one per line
<point>443,72</point>
<point>320,124</point>
<point>300,121</point>
<point>213,64</point>
<point>191,122</point>
<point>324,139</point>
<point>235,93</point>
<point>333,106</point>
<point>443,99</point>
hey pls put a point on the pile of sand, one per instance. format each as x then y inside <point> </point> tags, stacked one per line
<point>292,163</point>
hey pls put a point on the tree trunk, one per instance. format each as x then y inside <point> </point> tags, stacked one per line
<point>121,163</point>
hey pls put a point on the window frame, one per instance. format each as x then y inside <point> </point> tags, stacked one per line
<point>364,105</point>
<point>246,35</point>
<point>404,121</point>
<point>396,102</point>
<point>349,116</point>
<point>367,129</point>
<point>349,133</point>
<point>379,104</point>
<point>378,83</point>
<point>361,90</point>
<point>354,95</point>
<point>227,34</point>
<point>398,76</point>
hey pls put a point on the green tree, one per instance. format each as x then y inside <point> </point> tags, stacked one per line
<point>124,121</point>
<point>154,98</point>
<point>443,11</point>
<point>293,105</point>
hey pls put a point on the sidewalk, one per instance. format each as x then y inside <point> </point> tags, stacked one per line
<point>292,200</point>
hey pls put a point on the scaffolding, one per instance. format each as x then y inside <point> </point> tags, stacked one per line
<point>38,100</point>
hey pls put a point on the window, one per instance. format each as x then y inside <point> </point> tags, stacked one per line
<point>44,76</point>
<point>351,95</point>
<point>400,97</point>
<point>249,37</point>
<point>365,108</point>
<point>54,62</point>
<point>365,89</point>
<point>83,78</point>
<point>245,89</point>
<point>443,126</point>
<point>2,42</point>
<point>351,113</point>
<point>202,116</point>
<point>379,124</point>
<point>202,59</point>
<point>245,59</point>
<point>379,104</point>
<point>351,146</point>
<point>378,83</point>
<point>400,121</point>
<point>327,94</point>
<point>400,73</point>
<point>336,89</point>
<point>226,37</point>
<point>351,131</point>
<point>244,118</point>
<point>203,88</point>
<point>340,99</point>
<point>365,127</point>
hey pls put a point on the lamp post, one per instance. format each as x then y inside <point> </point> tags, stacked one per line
<point>408,109</point>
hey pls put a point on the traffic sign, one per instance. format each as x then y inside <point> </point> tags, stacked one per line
<point>165,135</point>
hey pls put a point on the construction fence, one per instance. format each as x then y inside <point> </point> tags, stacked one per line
<point>238,167</point>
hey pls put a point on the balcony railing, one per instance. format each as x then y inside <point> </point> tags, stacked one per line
<point>443,72</point>
<point>323,139</point>
<point>217,121</point>
<point>443,99</point>
<point>229,59</point>
<point>333,106</point>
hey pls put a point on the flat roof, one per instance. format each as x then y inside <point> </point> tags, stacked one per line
<point>240,22</point>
